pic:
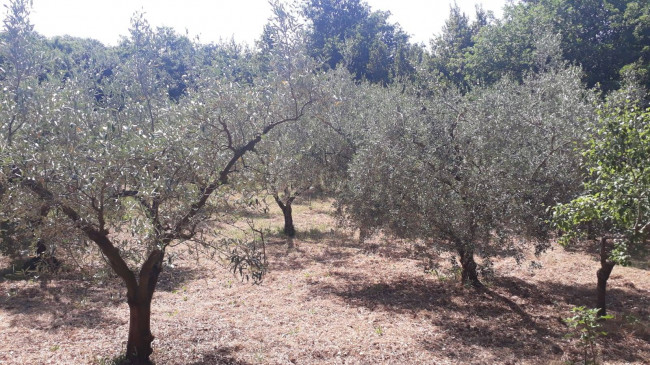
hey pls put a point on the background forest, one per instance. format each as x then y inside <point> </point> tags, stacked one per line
<point>426,186</point>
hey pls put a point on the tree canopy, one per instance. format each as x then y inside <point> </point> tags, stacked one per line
<point>473,147</point>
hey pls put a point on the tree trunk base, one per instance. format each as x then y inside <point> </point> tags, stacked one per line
<point>290,244</point>
<point>469,275</point>
<point>138,348</point>
<point>289,229</point>
<point>603,274</point>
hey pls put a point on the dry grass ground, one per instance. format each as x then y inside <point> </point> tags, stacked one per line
<point>329,301</point>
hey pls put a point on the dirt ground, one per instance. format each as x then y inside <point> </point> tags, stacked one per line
<point>329,301</point>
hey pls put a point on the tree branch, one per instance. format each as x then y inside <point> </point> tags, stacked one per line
<point>99,236</point>
<point>228,169</point>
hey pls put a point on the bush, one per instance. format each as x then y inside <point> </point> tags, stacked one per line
<point>585,327</point>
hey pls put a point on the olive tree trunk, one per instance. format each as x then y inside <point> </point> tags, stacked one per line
<point>139,295</point>
<point>139,290</point>
<point>364,233</point>
<point>138,347</point>
<point>606,267</point>
<point>469,275</point>
<point>289,229</point>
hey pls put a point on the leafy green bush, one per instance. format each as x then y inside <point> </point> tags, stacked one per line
<point>585,326</point>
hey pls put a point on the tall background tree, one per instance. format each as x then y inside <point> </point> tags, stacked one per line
<point>449,49</point>
<point>603,37</point>
<point>349,33</point>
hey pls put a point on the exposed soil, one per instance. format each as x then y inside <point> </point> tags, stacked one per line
<point>330,300</point>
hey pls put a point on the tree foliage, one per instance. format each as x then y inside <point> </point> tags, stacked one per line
<point>616,198</point>
<point>146,145</point>
<point>449,50</point>
<point>465,173</point>
<point>138,178</point>
<point>615,203</point>
<point>604,37</point>
<point>349,33</point>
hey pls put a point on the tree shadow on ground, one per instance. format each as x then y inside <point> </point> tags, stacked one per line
<point>550,302</point>
<point>296,259</point>
<point>53,304</point>
<point>48,301</point>
<point>338,238</point>
<point>14,270</point>
<point>290,258</point>
<point>174,278</point>
<point>333,257</point>
<point>221,356</point>
<point>327,236</point>
<point>523,318</point>
<point>385,246</point>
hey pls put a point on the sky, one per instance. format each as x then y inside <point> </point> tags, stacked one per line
<point>214,20</point>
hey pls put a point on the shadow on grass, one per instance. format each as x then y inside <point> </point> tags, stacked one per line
<point>14,271</point>
<point>45,304</point>
<point>334,257</point>
<point>312,235</point>
<point>49,302</point>
<point>516,315</point>
<point>296,259</point>
<point>174,278</point>
<point>223,355</point>
<point>319,235</point>
<point>376,245</point>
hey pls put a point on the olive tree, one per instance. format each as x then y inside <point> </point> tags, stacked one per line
<point>134,187</point>
<point>289,164</point>
<point>139,74</point>
<point>466,173</point>
<point>21,66</point>
<point>615,203</point>
<point>298,158</point>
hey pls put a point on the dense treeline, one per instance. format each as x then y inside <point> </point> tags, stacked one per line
<point>465,146</point>
<point>608,39</point>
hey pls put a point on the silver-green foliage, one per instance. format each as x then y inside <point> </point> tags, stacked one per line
<point>140,169</point>
<point>145,172</point>
<point>467,172</point>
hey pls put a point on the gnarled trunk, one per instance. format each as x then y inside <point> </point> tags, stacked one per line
<point>138,347</point>
<point>606,267</point>
<point>469,274</point>
<point>289,228</point>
